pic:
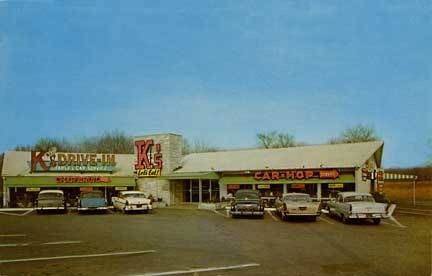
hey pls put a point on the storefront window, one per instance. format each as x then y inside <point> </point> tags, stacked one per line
<point>331,189</point>
<point>215,196</point>
<point>310,189</point>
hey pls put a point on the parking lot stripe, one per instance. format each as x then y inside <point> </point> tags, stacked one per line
<point>397,222</point>
<point>207,269</point>
<point>60,242</point>
<point>326,220</point>
<point>13,235</point>
<point>13,244</point>
<point>273,216</point>
<point>77,256</point>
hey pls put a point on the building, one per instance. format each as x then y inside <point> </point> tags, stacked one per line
<point>26,173</point>
<point>158,168</point>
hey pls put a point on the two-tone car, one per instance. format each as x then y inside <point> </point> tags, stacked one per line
<point>247,203</point>
<point>297,205</point>
<point>349,206</point>
<point>132,201</point>
<point>51,200</point>
<point>92,201</point>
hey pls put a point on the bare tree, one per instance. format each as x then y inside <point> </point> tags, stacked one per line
<point>109,142</point>
<point>274,139</point>
<point>46,143</point>
<point>197,146</point>
<point>358,133</point>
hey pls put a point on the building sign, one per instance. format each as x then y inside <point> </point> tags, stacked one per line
<point>296,174</point>
<point>297,186</point>
<point>43,161</point>
<point>233,187</point>
<point>149,158</point>
<point>121,188</point>
<point>335,185</point>
<point>32,189</point>
<point>264,186</point>
<point>83,179</point>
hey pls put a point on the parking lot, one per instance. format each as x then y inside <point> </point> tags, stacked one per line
<point>210,243</point>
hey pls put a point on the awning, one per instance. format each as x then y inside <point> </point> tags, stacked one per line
<point>192,175</point>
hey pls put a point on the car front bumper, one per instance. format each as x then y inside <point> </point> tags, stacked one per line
<point>40,208</point>
<point>138,207</point>
<point>102,208</point>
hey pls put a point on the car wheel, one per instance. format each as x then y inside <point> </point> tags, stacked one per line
<point>313,218</point>
<point>376,221</point>
<point>344,219</point>
<point>329,211</point>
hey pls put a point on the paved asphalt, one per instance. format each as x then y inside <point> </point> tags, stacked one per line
<point>193,239</point>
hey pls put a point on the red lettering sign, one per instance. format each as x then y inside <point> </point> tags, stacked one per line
<point>143,160</point>
<point>83,179</point>
<point>38,159</point>
<point>296,174</point>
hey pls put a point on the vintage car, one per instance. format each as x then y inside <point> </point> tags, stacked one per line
<point>357,206</point>
<point>132,201</point>
<point>248,203</point>
<point>50,200</point>
<point>297,205</point>
<point>92,201</point>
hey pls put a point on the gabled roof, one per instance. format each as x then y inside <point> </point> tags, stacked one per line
<point>309,157</point>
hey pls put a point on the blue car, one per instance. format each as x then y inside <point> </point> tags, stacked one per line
<point>92,201</point>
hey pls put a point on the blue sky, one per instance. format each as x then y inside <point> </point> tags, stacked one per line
<point>218,71</point>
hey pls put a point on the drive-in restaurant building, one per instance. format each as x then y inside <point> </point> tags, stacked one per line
<point>159,168</point>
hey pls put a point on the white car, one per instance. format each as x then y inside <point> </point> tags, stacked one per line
<point>297,205</point>
<point>357,206</point>
<point>50,200</point>
<point>132,201</point>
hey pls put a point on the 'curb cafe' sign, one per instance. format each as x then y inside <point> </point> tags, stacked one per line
<point>149,158</point>
<point>71,162</point>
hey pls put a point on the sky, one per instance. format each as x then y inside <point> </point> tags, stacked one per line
<point>218,71</point>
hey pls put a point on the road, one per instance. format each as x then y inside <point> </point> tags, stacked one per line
<point>192,240</point>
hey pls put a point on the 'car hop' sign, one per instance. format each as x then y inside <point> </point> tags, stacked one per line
<point>43,161</point>
<point>148,164</point>
<point>297,174</point>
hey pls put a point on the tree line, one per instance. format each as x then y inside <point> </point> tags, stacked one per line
<point>118,142</point>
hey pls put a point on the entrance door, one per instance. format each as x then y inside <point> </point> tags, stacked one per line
<point>191,191</point>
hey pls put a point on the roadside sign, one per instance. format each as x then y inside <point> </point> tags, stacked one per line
<point>32,189</point>
<point>120,188</point>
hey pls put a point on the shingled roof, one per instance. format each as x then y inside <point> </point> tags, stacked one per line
<point>310,157</point>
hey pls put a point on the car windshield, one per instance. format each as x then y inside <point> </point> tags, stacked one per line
<point>356,198</point>
<point>247,196</point>
<point>95,194</point>
<point>135,195</point>
<point>297,198</point>
<point>50,196</point>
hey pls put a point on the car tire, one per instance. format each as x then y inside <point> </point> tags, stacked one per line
<point>376,221</point>
<point>329,211</point>
<point>313,218</point>
<point>344,219</point>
